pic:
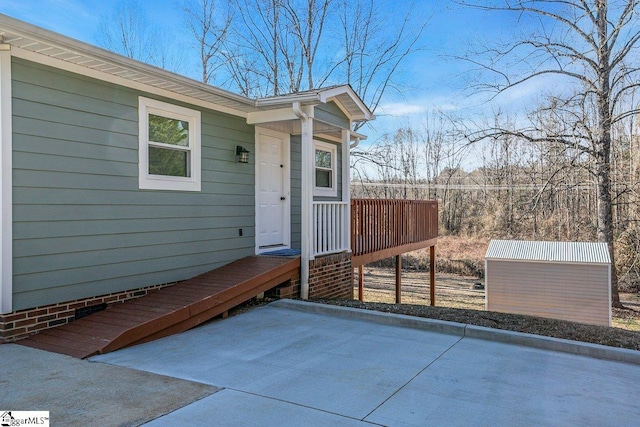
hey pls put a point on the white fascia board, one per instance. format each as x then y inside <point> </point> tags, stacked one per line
<point>326,94</point>
<point>268,116</point>
<point>120,81</point>
<point>327,137</point>
<point>332,94</point>
<point>67,44</point>
<point>322,96</point>
<point>6,183</point>
<point>356,135</point>
<point>288,99</point>
<point>339,139</point>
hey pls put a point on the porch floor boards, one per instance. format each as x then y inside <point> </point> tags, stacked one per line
<point>168,310</point>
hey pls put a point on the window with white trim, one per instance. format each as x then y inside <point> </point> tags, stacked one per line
<point>169,146</point>
<point>325,176</point>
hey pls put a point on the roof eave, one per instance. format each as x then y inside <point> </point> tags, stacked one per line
<point>38,41</point>
<point>47,37</point>
<point>321,96</point>
<point>307,98</point>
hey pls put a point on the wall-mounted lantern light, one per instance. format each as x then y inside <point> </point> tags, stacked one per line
<point>242,154</point>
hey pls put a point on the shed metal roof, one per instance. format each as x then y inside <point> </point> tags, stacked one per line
<point>561,252</point>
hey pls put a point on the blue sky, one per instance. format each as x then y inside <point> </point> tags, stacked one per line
<point>431,78</point>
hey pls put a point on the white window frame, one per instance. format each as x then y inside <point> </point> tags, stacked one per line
<point>149,181</point>
<point>326,191</point>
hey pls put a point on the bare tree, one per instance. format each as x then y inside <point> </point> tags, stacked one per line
<point>593,44</point>
<point>288,46</point>
<point>434,140</point>
<point>127,30</point>
<point>395,163</point>
<point>265,53</point>
<point>252,53</point>
<point>272,47</point>
<point>375,45</point>
<point>209,27</point>
<point>307,27</point>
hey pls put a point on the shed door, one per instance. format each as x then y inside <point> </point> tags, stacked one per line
<point>272,190</point>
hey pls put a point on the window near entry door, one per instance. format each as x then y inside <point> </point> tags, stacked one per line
<point>169,146</point>
<point>325,170</point>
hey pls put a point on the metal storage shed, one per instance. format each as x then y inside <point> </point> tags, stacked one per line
<point>561,280</point>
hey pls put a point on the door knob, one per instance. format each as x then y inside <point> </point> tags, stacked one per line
<point>282,198</point>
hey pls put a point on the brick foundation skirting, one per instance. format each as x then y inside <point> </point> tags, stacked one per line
<point>22,323</point>
<point>291,289</point>
<point>331,276</point>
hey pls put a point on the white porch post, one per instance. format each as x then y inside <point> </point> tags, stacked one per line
<point>6,197</point>
<point>346,183</point>
<point>308,162</point>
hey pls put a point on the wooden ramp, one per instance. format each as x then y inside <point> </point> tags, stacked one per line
<point>168,310</point>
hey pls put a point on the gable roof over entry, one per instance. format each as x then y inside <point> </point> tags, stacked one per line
<point>343,95</point>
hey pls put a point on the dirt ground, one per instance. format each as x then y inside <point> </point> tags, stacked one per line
<point>458,292</point>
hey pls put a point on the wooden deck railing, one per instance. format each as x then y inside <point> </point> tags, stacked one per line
<point>381,228</point>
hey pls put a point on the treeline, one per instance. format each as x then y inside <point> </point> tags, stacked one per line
<point>517,190</point>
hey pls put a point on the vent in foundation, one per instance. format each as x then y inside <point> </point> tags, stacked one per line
<point>85,311</point>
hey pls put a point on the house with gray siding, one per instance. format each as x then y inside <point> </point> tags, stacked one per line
<point>119,177</point>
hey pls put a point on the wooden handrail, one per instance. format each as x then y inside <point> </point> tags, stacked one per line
<point>380,226</point>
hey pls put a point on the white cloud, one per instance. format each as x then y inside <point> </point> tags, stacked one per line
<point>397,109</point>
<point>419,106</point>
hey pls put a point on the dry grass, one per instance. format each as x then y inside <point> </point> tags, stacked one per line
<point>455,255</point>
<point>629,318</point>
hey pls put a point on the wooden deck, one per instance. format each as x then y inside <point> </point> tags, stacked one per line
<point>384,228</point>
<point>168,310</point>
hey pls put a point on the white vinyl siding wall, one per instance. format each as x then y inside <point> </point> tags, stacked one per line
<point>574,285</point>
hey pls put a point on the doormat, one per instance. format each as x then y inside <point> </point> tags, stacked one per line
<point>283,252</point>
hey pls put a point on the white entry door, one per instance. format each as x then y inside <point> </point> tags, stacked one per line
<point>272,190</point>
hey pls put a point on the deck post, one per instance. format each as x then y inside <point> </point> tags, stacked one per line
<point>353,280</point>
<point>398,278</point>
<point>382,229</point>
<point>361,283</point>
<point>432,275</point>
